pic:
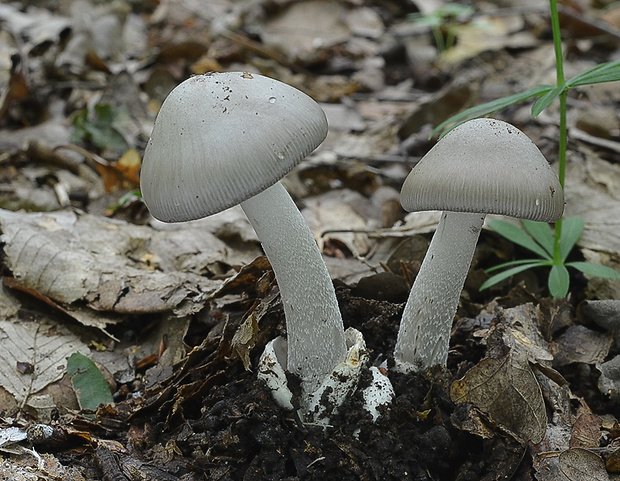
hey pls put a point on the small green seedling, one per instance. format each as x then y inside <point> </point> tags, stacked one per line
<point>124,200</point>
<point>538,238</point>
<point>443,22</point>
<point>552,247</point>
<point>99,128</point>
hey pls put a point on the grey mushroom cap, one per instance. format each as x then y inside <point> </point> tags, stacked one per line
<point>222,138</point>
<point>485,166</point>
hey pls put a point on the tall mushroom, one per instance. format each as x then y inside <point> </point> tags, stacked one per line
<point>223,139</point>
<point>483,166</point>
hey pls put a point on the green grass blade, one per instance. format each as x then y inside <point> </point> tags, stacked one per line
<point>596,270</point>
<point>606,72</point>
<point>559,281</point>
<point>505,265</point>
<point>518,236</point>
<point>489,108</point>
<point>541,232</point>
<point>572,228</point>
<point>491,281</point>
<point>544,101</point>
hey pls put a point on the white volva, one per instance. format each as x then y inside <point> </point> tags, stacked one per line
<point>224,139</point>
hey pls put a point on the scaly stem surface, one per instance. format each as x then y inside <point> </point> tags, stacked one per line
<point>315,333</point>
<point>424,333</point>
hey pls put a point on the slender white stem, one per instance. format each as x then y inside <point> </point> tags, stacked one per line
<point>424,334</point>
<point>315,333</point>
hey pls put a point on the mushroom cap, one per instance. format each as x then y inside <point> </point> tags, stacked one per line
<point>485,166</point>
<point>222,138</point>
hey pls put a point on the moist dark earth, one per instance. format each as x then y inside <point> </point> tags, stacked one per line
<point>213,420</point>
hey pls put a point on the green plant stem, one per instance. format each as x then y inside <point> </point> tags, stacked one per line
<point>559,66</point>
<point>441,45</point>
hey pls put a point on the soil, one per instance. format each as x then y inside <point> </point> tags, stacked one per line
<point>216,421</point>
<point>208,417</point>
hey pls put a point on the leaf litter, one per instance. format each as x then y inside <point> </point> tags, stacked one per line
<point>175,316</point>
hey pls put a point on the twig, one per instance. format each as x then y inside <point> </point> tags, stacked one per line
<point>264,51</point>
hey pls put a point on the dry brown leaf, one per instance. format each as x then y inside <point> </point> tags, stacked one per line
<point>507,390</point>
<point>304,27</point>
<point>524,334</point>
<point>583,345</point>
<point>586,432</point>
<point>71,257</point>
<point>341,216</point>
<point>580,464</point>
<point>609,381</point>
<point>122,174</point>
<point>44,347</point>
<point>245,338</point>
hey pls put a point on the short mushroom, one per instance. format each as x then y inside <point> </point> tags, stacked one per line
<point>483,166</point>
<point>223,139</point>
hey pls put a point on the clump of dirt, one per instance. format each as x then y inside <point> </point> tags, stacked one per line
<point>243,435</point>
<point>240,433</point>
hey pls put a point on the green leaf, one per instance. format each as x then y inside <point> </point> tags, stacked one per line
<point>605,72</point>
<point>572,228</point>
<point>596,270</point>
<point>101,129</point>
<point>491,281</point>
<point>489,108</point>
<point>558,281</point>
<point>430,20</point>
<point>89,385</point>
<point>519,262</point>
<point>543,102</point>
<point>516,235</point>
<point>541,232</point>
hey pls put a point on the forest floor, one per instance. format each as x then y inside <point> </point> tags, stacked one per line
<point>175,317</point>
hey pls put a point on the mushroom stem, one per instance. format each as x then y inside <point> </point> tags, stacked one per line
<point>315,333</point>
<point>424,333</point>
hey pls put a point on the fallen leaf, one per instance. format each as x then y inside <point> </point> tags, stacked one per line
<point>89,384</point>
<point>70,257</point>
<point>586,432</point>
<point>609,381</point>
<point>121,174</point>
<point>524,334</point>
<point>304,27</point>
<point>507,390</point>
<point>583,345</point>
<point>244,340</point>
<point>338,216</point>
<point>579,464</point>
<point>39,345</point>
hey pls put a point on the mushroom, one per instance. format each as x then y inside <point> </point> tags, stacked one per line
<point>483,166</point>
<point>223,139</point>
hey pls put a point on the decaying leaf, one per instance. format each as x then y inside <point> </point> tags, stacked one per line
<point>69,257</point>
<point>121,174</point>
<point>605,313</point>
<point>586,431</point>
<point>44,347</point>
<point>304,26</point>
<point>580,344</point>
<point>524,335</point>
<point>507,390</point>
<point>591,192</point>
<point>245,338</point>
<point>580,464</point>
<point>338,218</point>
<point>609,382</point>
